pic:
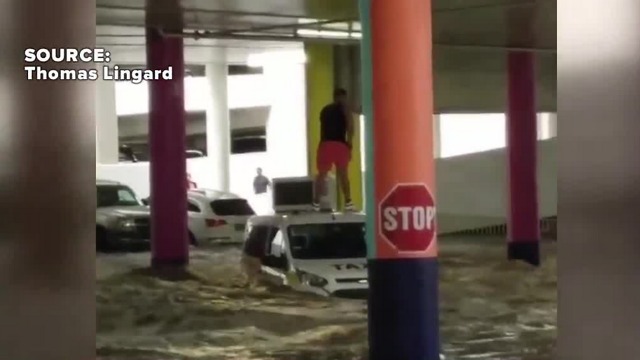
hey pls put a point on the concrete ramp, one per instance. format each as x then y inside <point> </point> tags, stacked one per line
<point>472,189</point>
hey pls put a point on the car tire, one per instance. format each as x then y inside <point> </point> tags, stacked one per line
<point>192,239</point>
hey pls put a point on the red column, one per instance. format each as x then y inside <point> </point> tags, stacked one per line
<point>167,137</point>
<point>523,221</point>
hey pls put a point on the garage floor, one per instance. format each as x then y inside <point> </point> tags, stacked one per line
<point>491,309</point>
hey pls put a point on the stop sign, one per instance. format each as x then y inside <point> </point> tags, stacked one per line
<point>407,217</point>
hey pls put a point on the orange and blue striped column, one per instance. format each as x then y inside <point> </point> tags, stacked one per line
<point>400,179</point>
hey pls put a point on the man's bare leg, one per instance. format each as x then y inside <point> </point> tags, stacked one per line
<point>251,268</point>
<point>320,189</point>
<point>246,270</point>
<point>343,178</point>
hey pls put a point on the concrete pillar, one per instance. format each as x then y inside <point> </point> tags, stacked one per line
<point>437,146</point>
<point>403,267</point>
<point>598,179</point>
<point>541,126</point>
<point>523,220</point>
<point>553,125</point>
<point>167,140</point>
<point>547,126</point>
<point>218,127</point>
<point>107,141</point>
<point>46,133</point>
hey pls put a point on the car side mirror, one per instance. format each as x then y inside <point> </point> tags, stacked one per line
<point>146,201</point>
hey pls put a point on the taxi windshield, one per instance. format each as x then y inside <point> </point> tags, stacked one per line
<point>327,241</point>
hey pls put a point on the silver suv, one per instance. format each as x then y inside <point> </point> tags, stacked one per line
<point>122,221</point>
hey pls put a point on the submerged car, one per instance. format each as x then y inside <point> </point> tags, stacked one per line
<point>320,253</point>
<point>217,216</point>
<point>122,221</point>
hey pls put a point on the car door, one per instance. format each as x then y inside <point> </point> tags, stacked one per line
<point>196,220</point>
<point>257,240</point>
<point>276,263</point>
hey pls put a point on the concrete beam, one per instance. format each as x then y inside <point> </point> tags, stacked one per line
<point>483,92</point>
<point>192,55</point>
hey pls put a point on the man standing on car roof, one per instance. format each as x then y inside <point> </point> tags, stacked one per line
<point>336,139</point>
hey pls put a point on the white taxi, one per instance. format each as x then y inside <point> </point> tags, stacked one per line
<point>318,252</point>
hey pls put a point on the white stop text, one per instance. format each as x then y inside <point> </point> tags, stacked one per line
<point>407,218</point>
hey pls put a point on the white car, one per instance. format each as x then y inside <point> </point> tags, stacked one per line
<point>320,253</point>
<point>217,216</point>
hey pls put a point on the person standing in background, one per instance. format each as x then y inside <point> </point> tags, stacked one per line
<point>191,185</point>
<point>262,200</point>
<point>260,183</point>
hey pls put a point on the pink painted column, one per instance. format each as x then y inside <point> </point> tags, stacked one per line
<point>167,137</point>
<point>523,220</point>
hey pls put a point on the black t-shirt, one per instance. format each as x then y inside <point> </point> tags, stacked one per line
<point>333,123</point>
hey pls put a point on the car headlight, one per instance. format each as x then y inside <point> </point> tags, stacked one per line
<point>126,224</point>
<point>312,280</point>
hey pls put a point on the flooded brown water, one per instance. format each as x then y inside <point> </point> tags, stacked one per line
<point>490,309</point>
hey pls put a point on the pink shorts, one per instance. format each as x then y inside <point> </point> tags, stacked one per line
<point>332,153</point>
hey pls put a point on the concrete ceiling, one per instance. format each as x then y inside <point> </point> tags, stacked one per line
<point>457,23</point>
<point>471,37</point>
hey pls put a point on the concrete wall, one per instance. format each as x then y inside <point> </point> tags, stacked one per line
<point>467,82</point>
<point>253,117</point>
<point>475,92</point>
<point>132,99</point>
<point>471,189</point>
<point>242,170</point>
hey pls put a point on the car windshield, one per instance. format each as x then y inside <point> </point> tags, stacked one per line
<point>327,241</point>
<point>116,195</point>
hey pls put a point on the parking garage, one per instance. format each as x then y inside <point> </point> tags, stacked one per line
<point>254,84</point>
<point>51,299</point>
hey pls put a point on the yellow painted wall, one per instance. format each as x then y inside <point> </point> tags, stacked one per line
<point>320,85</point>
<point>355,168</point>
<point>319,94</point>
